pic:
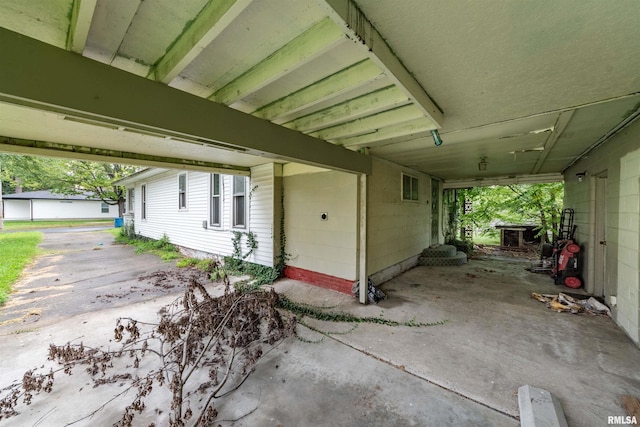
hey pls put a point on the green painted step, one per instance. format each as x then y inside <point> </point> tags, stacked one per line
<point>440,251</point>
<point>459,258</point>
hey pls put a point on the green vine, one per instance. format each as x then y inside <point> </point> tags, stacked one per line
<point>260,275</point>
<point>317,313</point>
<point>236,264</point>
<point>283,256</point>
<point>236,241</point>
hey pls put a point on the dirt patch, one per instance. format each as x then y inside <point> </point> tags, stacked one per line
<point>168,279</point>
<point>529,252</point>
<point>159,282</point>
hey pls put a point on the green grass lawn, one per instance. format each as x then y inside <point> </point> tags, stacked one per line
<point>162,248</point>
<point>16,251</point>
<point>486,239</point>
<point>30,225</point>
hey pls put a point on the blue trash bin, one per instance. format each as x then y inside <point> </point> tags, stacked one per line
<point>118,222</point>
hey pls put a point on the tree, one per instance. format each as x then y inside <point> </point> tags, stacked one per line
<point>66,177</point>
<point>25,172</point>
<point>519,203</point>
<point>94,179</point>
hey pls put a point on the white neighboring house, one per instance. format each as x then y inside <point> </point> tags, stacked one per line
<point>45,205</point>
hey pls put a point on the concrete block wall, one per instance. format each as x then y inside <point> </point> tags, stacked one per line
<point>397,230</point>
<point>619,161</point>
<point>629,245</point>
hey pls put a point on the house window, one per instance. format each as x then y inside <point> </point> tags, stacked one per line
<point>131,196</point>
<point>239,206</point>
<point>214,219</point>
<point>104,208</point>
<point>143,202</point>
<point>409,188</point>
<point>182,191</point>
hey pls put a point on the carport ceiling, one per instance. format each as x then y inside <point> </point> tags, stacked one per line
<point>526,86</point>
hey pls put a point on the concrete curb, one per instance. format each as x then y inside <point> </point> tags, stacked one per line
<point>539,408</point>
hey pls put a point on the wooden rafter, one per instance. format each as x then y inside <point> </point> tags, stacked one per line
<point>299,51</point>
<point>375,102</point>
<point>345,80</point>
<point>81,17</point>
<point>211,21</point>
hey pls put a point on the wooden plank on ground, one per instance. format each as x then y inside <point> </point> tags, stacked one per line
<point>631,405</point>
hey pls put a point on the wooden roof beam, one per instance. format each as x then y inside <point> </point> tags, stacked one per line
<point>354,23</point>
<point>82,88</point>
<point>70,151</point>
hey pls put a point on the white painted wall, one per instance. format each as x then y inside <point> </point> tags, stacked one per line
<point>45,209</point>
<point>327,247</point>
<point>619,160</point>
<point>184,227</point>
<point>397,230</point>
<point>17,209</point>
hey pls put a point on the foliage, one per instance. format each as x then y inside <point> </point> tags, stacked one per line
<point>162,247</point>
<point>236,264</point>
<point>128,230</point>
<point>465,246</point>
<point>301,309</point>
<point>485,239</point>
<point>201,349</point>
<point>208,265</point>
<point>283,256</point>
<point>237,257</point>
<point>261,275</point>
<point>24,171</point>
<point>16,251</point>
<point>539,204</point>
<point>65,177</point>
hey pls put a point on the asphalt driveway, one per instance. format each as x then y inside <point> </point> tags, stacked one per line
<point>80,271</point>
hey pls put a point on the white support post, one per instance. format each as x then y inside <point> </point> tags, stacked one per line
<point>362,237</point>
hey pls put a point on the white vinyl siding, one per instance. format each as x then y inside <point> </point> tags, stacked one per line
<point>185,227</point>
<point>262,203</point>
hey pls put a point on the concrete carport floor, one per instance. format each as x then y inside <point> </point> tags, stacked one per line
<point>463,373</point>
<point>496,338</point>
